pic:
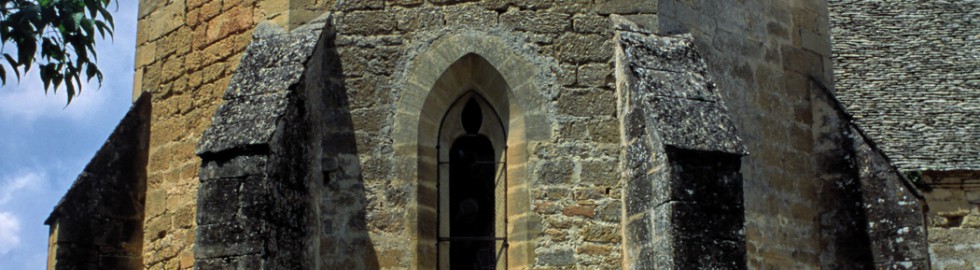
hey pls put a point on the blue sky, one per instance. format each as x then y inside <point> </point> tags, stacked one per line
<point>45,145</point>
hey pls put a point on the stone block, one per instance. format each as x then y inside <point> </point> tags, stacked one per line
<point>166,19</point>
<point>801,61</point>
<point>643,192</point>
<point>600,173</point>
<point>814,42</point>
<point>696,253</point>
<point>595,75</point>
<point>560,256</point>
<point>567,74</point>
<point>349,5</point>
<point>146,54</point>
<point>406,2</point>
<point>601,234</point>
<point>536,21</point>
<point>243,123</point>
<point>661,53</point>
<point>357,61</point>
<point>594,250</point>
<point>469,15</point>
<point>704,221</point>
<point>366,23</point>
<point>228,240</point>
<point>626,6</point>
<point>587,211</point>
<point>610,212</point>
<point>684,123</point>
<point>604,130</point>
<point>235,21</point>
<point>237,166</point>
<point>689,85</point>
<point>192,3</point>
<point>567,6</point>
<point>572,130</point>
<point>579,48</point>
<point>591,24</point>
<point>420,18</point>
<point>586,102</point>
<point>555,172</point>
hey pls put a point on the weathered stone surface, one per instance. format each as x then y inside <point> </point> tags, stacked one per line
<point>625,6</point>
<point>576,48</point>
<point>244,123</point>
<point>542,22</point>
<point>469,15</point>
<point>317,155</point>
<point>908,73</point>
<point>257,94</point>
<point>100,218</point>
<point>366,22</point>
<point>684,125</point>
<point>683,157</point>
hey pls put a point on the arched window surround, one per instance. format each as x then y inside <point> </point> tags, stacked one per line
<point>445,69</point>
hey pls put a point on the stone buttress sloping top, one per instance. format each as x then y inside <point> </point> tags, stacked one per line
<point>256,97</point>
<point>909,73</point>
<point>112,175</point>
<point>681,100</point>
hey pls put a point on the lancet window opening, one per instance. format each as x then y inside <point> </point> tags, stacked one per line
<point>472,186</point>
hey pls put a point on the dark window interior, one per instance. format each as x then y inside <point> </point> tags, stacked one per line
<point>471,200</point>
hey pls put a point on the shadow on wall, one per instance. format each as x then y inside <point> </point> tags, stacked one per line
<point>340,195</point>
<point>281,182</point>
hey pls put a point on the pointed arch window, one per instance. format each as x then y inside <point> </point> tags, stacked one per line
<point>472,187</point>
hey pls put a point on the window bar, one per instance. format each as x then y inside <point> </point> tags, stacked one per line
<point>506,244</point>
<point>439,164</point>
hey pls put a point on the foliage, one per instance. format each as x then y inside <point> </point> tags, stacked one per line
<point>65,32</point>
<point>917,180</point>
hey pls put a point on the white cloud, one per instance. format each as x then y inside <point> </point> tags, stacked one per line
<point>13,185</point>
<point>9,232</point>
<point>25,100</point>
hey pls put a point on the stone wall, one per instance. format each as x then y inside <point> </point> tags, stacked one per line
<point>562,132</point>
<point>388,72</point>
<point>954,218</point>
<point>762,55</point>
<point>255,208</point>
<point>186,51</point>
<point>907,71</point>
<point>683,200</point>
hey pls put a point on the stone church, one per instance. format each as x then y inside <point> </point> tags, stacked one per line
<point>522,134</point>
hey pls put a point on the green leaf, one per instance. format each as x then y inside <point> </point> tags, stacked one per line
<point>25,52</point>
<point>89,72</point>
<point>71,90</point>
<point>108,29</point>
<point>10,60</point>
<point>57,81</point>
<point>107,16</point>
<point>47,71</point>
<point>13,64</point>
<point>102,28</point>
<point>92,6</point>
<point>87,26</point>
<point>3,75</point>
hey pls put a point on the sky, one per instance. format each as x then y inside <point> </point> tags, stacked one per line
<point>44,145</point>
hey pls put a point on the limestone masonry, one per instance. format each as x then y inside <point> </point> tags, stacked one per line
<point>535,134</point>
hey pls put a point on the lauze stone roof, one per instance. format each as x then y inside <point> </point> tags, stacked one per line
<point>909,73</point>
